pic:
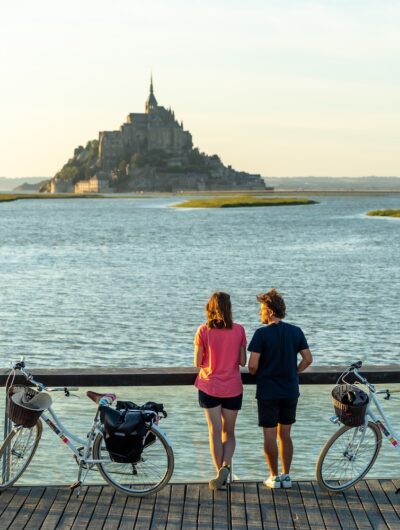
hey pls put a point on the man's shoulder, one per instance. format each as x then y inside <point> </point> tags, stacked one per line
<point>293,327</point>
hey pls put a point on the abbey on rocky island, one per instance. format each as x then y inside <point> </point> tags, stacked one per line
<point>150,152</point>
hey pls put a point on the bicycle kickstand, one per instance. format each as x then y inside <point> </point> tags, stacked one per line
<point>77,485</point>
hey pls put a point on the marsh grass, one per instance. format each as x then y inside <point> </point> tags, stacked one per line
<point>243,201</point>
<point>384,213</point>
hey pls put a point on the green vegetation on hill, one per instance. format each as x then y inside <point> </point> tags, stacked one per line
<point>384,213</point>
<point>80,167</point>
<point>243,201</point>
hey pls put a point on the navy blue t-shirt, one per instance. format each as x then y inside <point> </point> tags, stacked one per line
<point>278,346</point>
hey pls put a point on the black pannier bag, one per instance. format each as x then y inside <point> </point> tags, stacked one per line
<point>125,431</point>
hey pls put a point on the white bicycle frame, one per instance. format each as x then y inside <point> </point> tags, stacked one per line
<point>51,419</point>
<point>385,426</point>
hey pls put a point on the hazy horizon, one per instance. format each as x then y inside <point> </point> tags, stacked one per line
<point>280,88</point>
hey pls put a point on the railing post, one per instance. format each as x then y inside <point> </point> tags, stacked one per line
<point>7,428</point>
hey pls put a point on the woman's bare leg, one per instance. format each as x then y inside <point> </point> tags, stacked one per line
<point>228,435</point>
<point>214,421</point>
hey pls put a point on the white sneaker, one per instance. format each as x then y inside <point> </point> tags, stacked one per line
<point>286,481</point>
<point>272,482</point>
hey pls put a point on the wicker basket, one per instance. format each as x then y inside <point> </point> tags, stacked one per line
<point>25,405</point>
<point>352,416</point>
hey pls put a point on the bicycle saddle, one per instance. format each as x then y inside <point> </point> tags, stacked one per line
<point>95,396</point>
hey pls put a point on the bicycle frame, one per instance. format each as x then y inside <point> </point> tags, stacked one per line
<point>385,426</point>
<point>56,425</point>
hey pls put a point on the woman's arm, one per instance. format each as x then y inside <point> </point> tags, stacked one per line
<point>306,360</point>
<point>198,355</point>
<point>242,356</point>
<point>254,362</point>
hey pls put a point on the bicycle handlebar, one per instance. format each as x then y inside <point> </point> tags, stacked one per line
<point>353,368</point>
<point>20,366</point>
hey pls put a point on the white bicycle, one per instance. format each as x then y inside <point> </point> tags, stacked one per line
<point>151,472</point>
<point>351,452</point>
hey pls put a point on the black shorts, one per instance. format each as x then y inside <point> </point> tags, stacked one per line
<point>274,411</point>
<point>230,403</point>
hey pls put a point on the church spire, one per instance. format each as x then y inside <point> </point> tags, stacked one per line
<point>151,102</point>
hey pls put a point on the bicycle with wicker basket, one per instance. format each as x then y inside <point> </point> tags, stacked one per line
<point>352,450</point>
<point>136,470</point>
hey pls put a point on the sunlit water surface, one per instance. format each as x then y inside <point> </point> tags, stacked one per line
<point>124,282</point>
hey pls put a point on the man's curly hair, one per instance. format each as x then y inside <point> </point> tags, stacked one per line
<point>274,301</point>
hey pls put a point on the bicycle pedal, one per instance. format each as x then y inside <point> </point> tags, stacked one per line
<point>75,485</point>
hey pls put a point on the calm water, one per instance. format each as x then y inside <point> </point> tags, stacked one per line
<point>124,283</point>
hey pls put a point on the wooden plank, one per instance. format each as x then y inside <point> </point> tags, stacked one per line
<point>161,509</point>
<point>390,487</point>
<point>71,509</point>
<point>385,506</point>
<point>5,498</point>
<point>176,504</point>
<point>252,506</point>
<point>370,506</point>
<point>57,509</point>
<point>311,505</point>
<point>297,509</point>
<point>282,509</point>
<point>13,508</point>
<point>238,507</point>
<point>101,509</point>
<point>42,509</point>
<point>342,511</point>
<point>357,509</point>
<point>87,508</point>
<point>191,507</point>
<point>115,512</point>
<point>28,508</point>
<point>206,504</point>
<point>268,513</point>
<point>220,511</point>
<point>145,513</point>
<point>129,514</point>
<point>327,510</point>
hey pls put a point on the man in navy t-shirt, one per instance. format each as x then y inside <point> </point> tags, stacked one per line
<point>273,360</point>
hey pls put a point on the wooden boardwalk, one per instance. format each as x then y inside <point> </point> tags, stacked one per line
<point>372,504</point>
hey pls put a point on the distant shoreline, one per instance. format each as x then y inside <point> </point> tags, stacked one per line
<point>9,197</point>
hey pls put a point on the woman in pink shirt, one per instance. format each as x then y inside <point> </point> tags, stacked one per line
<point>220,350</point>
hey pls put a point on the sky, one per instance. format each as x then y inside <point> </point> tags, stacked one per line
<point>276,87</point>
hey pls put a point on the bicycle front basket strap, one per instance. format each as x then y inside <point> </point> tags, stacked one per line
<point>350,404</point>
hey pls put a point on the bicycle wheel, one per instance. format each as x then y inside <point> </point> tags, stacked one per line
<point>147,476</point>
<point>16,453</point>
<point>348,456</point>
